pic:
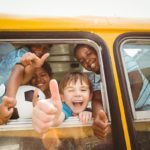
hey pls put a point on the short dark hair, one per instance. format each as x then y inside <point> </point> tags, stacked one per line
<point>46,66</point>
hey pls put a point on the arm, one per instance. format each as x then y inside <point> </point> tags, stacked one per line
<point>136,83</point>
<point>15,80</point>
<point>100,124</point>
<point>9,101</point>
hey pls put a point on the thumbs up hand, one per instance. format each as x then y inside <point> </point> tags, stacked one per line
<point>48,113</point>
<point>100,125</point>
<point>6,108</point>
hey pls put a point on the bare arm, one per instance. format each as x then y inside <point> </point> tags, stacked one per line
<point>136,83</point>
<point>100,124</point>
<point>96,102</point>
<point>15,80</point>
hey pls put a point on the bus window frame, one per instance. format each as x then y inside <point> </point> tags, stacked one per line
<point>71,41</point>
<point>120,41</point>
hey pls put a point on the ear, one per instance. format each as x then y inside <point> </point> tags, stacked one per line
<point>62,97</point>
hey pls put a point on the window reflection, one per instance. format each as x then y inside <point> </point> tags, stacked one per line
<point>136,59</point>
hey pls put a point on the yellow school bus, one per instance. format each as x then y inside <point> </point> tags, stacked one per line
<point>111,37</point>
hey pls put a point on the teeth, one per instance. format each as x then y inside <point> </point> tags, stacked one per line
<point>93,65</point>
<point>40,85</point>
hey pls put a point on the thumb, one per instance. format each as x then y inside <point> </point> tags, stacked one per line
<point>103,116</point>
<point>44,57</point>
<point>55,94</point>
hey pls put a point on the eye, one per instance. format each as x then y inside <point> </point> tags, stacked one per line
<point>81,61</point>
<point>43,74</point>
<point>84,90</point>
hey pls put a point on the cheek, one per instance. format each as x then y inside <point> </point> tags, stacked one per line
<point>67,97</point>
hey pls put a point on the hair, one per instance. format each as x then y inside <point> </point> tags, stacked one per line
<point>47,68</point>
<point>73,77</point>
<point>45,46</point>
<point>78,46</point>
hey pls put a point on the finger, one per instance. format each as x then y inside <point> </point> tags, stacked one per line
<point>55,94</point>
<point>44,57</point>
<point>35,96</point>
<point>8,101</point>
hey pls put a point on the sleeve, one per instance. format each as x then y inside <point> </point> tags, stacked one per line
<point>67,111</point>
<point>95,79</point>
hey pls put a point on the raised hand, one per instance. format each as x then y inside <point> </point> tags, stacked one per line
<point>100,125</point>
<point>48,112</point>
<point>6,109</point>
<point>31,59</point>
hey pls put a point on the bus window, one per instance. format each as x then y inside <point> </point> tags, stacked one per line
<point>71,132</point>
<point>135,54</point>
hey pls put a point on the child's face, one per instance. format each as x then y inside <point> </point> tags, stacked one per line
<point>88,59</point>
<point>41,79</point>
<point>39,49</point>
<point>77,96</point>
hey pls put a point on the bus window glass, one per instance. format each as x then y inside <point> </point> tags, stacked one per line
<point>136,54</point>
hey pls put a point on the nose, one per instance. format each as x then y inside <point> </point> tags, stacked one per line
<point>78,94</point>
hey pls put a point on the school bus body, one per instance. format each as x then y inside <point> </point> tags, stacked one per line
<point>108,29</point>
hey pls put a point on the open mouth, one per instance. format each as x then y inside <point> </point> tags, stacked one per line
<point>77,103</point>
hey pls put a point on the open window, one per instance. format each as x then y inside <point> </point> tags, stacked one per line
<point>61,60</point>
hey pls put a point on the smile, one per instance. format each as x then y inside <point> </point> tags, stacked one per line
<point>77,103</point>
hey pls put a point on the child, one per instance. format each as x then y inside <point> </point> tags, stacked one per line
<point>76,92</point>
<point>20,74</point>
<point>87,56</point>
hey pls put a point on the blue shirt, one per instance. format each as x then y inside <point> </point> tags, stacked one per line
<point>67,111</point>
<point>8,61</point>
<point>95,79</point>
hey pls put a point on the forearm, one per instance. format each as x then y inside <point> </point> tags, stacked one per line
<point>28,73</point>
<point>96,103</point>
<point>15,80</point>
<point>136,83</point>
